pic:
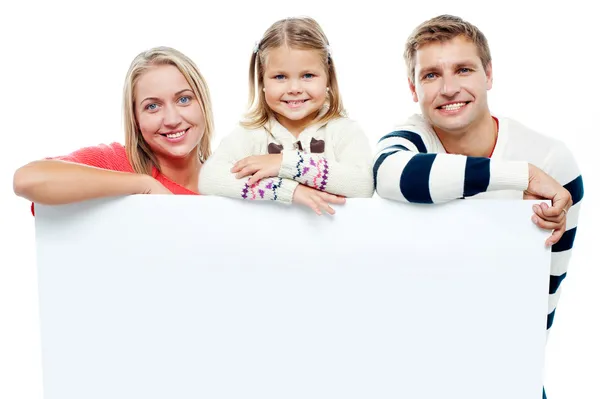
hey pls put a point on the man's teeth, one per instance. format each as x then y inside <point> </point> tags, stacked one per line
<point>175,135</point>
<point>453,107</point>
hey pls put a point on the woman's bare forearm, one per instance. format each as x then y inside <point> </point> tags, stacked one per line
<point>54,182</point>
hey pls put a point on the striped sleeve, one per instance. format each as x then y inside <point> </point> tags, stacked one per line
<point>404,169</point>
<point>563,167</point>
<point>216,177</point>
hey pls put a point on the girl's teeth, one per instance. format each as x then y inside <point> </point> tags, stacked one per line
<point>175,135</point>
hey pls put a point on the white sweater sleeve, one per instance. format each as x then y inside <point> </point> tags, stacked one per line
<point>406,170</point>
<point>216,177</point>
<point>348,173</point>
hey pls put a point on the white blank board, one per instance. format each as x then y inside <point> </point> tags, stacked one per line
<point>205,297</point>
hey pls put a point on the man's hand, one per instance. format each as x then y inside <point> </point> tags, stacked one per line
<point>542,186</point>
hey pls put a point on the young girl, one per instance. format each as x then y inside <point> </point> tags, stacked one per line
<point>296,145</point>
<point>168,130</point>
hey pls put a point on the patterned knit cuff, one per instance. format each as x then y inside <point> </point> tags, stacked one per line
<point>286,190</point>
<point>511,175</point>
<point>273,189</point>
<point>290,164</point>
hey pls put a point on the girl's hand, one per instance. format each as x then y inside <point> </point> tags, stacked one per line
<point>316,200</point>
<point>259,166</point>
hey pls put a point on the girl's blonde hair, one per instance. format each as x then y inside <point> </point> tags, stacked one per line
<point>298,33</point>
<point>139,153</point>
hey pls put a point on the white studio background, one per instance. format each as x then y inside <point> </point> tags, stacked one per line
<point>62,70</point>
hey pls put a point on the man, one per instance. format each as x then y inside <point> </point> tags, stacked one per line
<point>457,149</point>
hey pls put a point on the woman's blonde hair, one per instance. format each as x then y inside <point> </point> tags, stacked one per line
<point>299,33</point>
<point>139,153</point>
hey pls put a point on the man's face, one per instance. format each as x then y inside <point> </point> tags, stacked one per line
<point>451,84</point>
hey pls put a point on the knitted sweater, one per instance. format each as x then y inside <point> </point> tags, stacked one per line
<point>334,157</point>
<point>412,165</point>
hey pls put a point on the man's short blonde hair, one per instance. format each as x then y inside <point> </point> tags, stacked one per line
<point>440,29</point>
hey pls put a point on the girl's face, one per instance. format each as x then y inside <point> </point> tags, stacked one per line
<point>295,85</point>
<point>168,114</point>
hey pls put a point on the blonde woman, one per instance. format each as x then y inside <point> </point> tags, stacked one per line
<point>168,129</point>
<point>296,145</point>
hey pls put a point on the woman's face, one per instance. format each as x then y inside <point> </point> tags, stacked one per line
<point>168,114</point>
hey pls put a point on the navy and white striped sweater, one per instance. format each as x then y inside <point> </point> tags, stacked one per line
<point>412,165</point>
